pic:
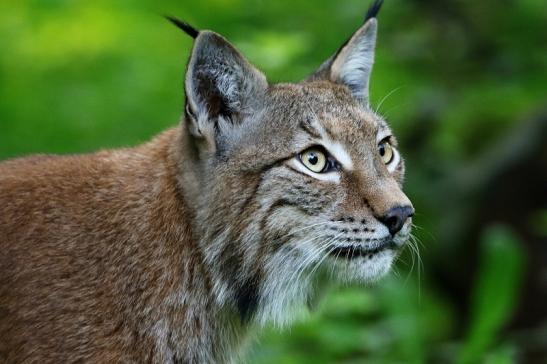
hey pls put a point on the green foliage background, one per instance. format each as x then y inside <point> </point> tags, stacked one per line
<point>463,84</point>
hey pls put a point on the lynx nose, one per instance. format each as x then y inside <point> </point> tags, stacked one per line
<point>396,217</point>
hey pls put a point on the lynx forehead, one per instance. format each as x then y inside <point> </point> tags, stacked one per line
<point>170,251</point>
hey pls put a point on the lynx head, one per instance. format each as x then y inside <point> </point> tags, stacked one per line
<point>295,181</point>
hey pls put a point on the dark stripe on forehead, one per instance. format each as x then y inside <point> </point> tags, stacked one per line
<point>308,128</point>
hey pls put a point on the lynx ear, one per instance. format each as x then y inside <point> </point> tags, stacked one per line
<point>352,64</point>
<point>221,85</point>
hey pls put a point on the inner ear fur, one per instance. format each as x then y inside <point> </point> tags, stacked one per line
<point>220,83</point>
<point>352,64</point>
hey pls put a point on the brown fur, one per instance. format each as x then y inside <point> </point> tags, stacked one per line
<point>92,248</point>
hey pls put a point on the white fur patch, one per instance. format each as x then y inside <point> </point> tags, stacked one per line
<point>337,150</point>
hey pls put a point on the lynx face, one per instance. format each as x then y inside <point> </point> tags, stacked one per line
<point>296,181</point>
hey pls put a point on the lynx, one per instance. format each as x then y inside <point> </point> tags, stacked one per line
<point>171,251</point>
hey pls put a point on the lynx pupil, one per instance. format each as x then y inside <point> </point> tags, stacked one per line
<point>382,149</point>
<point>312,158</point>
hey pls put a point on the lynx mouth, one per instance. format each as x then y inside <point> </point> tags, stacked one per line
<point>357,251</point>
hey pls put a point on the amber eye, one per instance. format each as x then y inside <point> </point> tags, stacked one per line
<point>314,159</point>
<point>386,151</point>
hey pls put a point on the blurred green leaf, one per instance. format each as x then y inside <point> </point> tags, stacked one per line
<point>495,292</point>
<point>501,355</point>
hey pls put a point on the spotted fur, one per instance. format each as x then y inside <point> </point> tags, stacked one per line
<point>169,252</point>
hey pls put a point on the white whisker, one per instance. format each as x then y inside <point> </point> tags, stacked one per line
<point>386,96</point>
<point>325,254</point>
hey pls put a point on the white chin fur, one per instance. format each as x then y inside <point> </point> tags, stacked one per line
<point>285,294</point>
<point>362,269</point>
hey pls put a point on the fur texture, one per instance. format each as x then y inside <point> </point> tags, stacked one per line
<point>170,251</point>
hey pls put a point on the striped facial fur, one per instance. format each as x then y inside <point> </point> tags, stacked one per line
<point>296,181</point>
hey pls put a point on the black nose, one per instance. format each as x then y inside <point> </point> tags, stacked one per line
<point>395,218</point>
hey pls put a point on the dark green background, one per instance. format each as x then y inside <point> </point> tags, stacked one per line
<point>463,83</point>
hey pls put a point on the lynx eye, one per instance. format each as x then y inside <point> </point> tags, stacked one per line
<point>314,159</point>
<point>386,151</point>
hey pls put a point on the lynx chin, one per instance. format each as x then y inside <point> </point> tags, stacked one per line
<point>169,252</point>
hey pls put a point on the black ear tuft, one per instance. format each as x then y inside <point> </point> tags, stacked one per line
<point>185,27</point>
<point>373,9</point>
